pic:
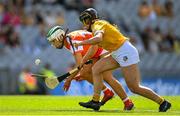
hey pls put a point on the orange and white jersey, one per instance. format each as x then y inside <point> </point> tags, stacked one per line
<point>78,36</point>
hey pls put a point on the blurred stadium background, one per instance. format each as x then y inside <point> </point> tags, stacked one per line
<point>152,25</point>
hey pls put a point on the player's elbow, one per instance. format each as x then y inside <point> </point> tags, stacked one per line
<point>99,39</point>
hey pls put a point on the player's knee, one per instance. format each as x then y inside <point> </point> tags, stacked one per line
<point>107,79</point>
<point>134,89</point>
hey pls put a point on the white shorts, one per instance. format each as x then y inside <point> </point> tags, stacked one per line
<point>126,55</point>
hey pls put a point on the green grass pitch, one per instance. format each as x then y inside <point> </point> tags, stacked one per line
<point>68,105</point>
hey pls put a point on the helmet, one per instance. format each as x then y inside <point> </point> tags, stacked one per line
<point>89,13</point>
<point>55,32</point>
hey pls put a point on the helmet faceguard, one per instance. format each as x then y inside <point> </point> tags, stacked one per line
<point>87,16</point>
<point>56,36</point>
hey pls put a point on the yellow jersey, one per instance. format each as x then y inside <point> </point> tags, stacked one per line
<point>112,38</point>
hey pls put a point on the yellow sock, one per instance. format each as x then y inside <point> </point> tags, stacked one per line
<point>96,97</point>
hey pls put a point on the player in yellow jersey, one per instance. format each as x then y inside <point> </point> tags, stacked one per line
<point>123,55</point>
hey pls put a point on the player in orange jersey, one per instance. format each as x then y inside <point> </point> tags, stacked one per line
<point>123,55</point>
<point>86,72</point>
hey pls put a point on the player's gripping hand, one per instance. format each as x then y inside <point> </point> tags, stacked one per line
<point>82,64</point>
<point>76,45</point>
<point>78,78</point>
<point>67,84</point>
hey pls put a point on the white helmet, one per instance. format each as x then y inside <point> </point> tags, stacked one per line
<point>55,32</point>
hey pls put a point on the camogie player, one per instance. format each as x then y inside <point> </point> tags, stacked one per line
<point>86,72</point>
<point>123,55</point>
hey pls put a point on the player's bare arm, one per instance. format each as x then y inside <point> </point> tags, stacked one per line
<point>67,83</point>
<point>90,53</point>
<point>78,59</point>
<point>92,41</point>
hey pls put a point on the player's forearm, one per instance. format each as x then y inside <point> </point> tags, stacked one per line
<point>92,41</point>
<point>90,53</point>
<point>78,58</point>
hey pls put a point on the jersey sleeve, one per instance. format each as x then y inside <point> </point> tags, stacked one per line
<point>98,26</point>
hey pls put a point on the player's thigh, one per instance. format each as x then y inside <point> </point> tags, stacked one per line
<point>105,64</point>
<point>131,75</point>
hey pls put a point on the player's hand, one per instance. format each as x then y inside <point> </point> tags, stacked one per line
<point>83,61</point>
<point>67,84</point>
<point>78,78</point>
<point>76,45</point>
